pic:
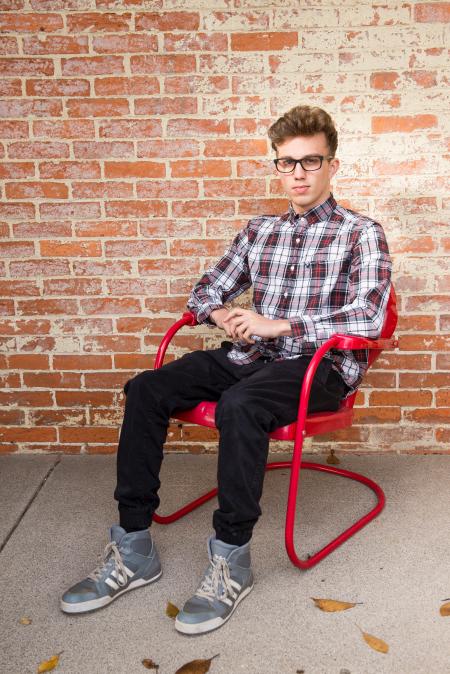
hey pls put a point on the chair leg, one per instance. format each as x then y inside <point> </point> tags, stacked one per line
<point>291,509</point>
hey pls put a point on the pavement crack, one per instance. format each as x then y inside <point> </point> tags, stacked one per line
<point>30,503</point>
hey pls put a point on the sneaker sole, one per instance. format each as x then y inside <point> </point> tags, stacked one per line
<point>85,606</point>
<point>209,625</point>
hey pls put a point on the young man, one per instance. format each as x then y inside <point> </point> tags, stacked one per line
<point>316,270</point>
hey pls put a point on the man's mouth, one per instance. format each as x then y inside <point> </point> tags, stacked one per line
<point>300,188</point>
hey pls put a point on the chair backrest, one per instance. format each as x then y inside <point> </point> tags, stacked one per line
<point>390,322</point>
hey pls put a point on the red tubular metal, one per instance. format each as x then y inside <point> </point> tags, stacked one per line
<point>337,341</point>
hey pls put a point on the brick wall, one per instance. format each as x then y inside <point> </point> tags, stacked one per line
<point>132,138</point>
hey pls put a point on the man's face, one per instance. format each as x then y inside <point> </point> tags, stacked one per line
<point>307,189</point>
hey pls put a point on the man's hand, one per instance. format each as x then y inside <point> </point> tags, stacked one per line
<point>244,323</point>
<point>218,316</point>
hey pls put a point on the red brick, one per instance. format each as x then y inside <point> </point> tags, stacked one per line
<point>12,417</point>
<point>136,169</point>
<point>99,107</point>
<point>22,434</point>
<point>377,415</point>
<point>429,416</point>
<point>168,267</point>
<point>432,12</point>
<point>9,45</point>
<point>443,435</point>
<point>424,342</point>
<point>10,88</point>
<point>193,247</point>
<point>39,268</point>
<point>162,64</point>
<point>427,303</point>
<point>11,249</point>
<point>88,434</point>
<point>384,80</point>
<point>164,105</point>
<point>102,190</point>
<point>12,129</point>
<point>43,230</point>
<point>17,170</point>
<point>11,288</point>
<point>68,170</point>
<point>235,148</point>
<point>42,307</point>
<point>404,124</point>
<point>82,362</point>
<point>262,206</point>
<point>38,150</point>
<point>141,287</point>
<point>234,188</point>
<point>75,210</point>
<point>160,189</point>
<point>103,150</point>
<point>176,42</point>
<point>92,65</point>
<point>130,128</point>
<point>56,44</point>
<point>198,209</point>
<point>23,67</point>
<point>72,286</point>
<point>110,305</point>
<point>68,417</point>
<point>165,21</point>
<point>263,41</point>
<point>101,268</point>
<point>107,228</point>
<point>201,168</point>
<point>27,22</point>
<point>136,248</point>
<point>126,86</point>
<point>98,21</point>
<point>52,380</point>
<point>136,209</point>
<point>70,248</point>
<point>406,398</point>
<point>195,84</point>
<point>36,190</point>
<point>24,327</point>
<point>168,148</point>
<point>36,361</point>
<point>77,128</point>
<point>116,44</point>
<point>60,87</point>
<point>188,128</point>
<point>36,107</point>
<point>83,398</point>
<point>175,305</point>
<point>415,322</point>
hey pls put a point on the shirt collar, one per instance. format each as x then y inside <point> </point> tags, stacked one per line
<point>317,214</point>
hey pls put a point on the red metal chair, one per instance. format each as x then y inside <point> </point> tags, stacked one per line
<point>306,425</point>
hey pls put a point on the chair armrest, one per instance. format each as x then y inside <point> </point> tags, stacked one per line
<point>352,342</point>
<point>188,318</point>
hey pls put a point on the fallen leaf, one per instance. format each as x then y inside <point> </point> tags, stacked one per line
<point>48,665</point>
<point>300,671</point>
<point>196,666</point>
<point>331,605</point>
<point>25,620</point>
<point>445,609</point>
<point>332,458</point>
<point>171,610</point>
<point>375,643</point>
<point>149,664</point>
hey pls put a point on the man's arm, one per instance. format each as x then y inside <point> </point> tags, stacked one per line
<point>228,278</point>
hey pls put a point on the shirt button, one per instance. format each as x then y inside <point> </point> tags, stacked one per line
<point>285,295</point>
<point>303,221</point>
<point>297,240</point>
<point>292,267</point>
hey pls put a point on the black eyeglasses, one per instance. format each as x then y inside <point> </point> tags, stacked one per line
<point>312,162</point>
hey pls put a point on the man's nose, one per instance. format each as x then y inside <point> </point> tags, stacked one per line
<point>299,171</point>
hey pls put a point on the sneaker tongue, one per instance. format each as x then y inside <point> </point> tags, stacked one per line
<point>117,533</point>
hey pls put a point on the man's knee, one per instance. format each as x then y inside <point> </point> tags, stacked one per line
<point>239,406</point>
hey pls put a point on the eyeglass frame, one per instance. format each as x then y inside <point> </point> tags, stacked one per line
<point>299,161</point>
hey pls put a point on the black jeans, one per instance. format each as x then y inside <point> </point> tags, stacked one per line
<point>252,400</point>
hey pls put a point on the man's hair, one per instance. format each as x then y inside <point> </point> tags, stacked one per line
<point>304,120</point>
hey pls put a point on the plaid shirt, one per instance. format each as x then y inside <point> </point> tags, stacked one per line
<point>326,271</point>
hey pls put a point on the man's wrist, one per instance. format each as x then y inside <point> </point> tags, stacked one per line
<point>217,316</point>
<point>284,328</point>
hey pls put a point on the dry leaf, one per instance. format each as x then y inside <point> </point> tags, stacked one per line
<point>331,605</point>
<point>375,643</point>
<point>171,610</point>
<point>48,665</point>
<point>196,666</point>
<point>25,620</point>
<point>445,609</point>
<point>149,664</point>
<point>332,458</point>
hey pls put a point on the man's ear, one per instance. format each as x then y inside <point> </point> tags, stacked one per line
<point>334,167</point>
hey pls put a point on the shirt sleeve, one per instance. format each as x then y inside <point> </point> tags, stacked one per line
<point>228,278</point>
<point>369,288</point>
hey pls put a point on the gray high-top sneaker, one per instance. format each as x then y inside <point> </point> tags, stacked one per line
<point>227,580</point>
<point>128,561</point>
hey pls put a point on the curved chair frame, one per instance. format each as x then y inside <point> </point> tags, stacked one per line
<point>306,425</point>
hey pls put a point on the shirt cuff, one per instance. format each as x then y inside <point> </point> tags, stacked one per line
<point>203,314</point>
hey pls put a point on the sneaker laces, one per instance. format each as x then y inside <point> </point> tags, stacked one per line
<point>217,581</point>
<point>110,552</point>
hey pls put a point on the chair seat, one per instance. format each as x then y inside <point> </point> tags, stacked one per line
<point>203,414</point>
